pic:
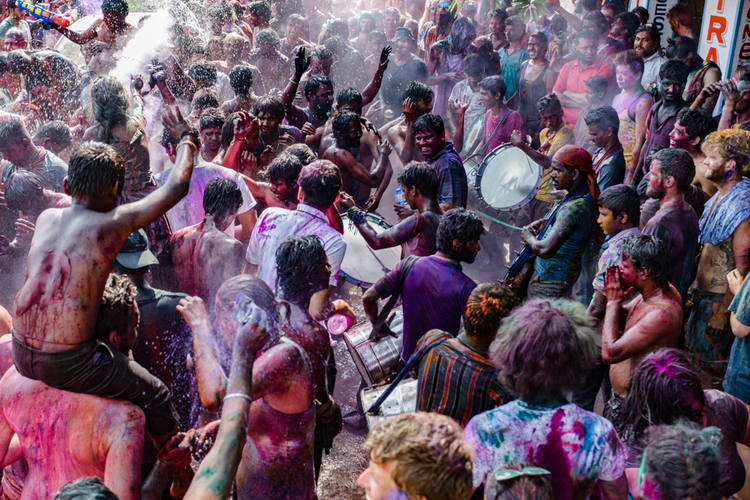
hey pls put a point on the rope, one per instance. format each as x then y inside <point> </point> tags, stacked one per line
<point>497,221</point>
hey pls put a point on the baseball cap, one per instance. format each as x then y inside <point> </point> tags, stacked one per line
<point>402,34</point>
<point>135,253</point>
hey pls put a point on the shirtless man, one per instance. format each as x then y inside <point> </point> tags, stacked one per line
<point>725,239</point>
<point>355,177</point>
<point>241,79</point>
<point>688,132</point>
<point>418,99</point>
<point>303,269</point>
<point>107,36</point>
<point>282,412</point>
<point>417,232</point>
<point>203,255</point>
<point>654,319</point>
<point>63,435</point>
<point>69,261</point>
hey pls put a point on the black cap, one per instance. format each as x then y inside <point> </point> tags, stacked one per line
<point>402,34</point>
<point>135,253</point>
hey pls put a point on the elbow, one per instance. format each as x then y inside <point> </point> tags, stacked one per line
<point>211,401</point>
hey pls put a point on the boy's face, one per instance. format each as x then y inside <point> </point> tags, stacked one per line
<point>608,222</point>
<point>598,136</point>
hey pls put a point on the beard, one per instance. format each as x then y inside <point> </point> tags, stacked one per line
<point>718,175</point>
<point>657,193</point>
<point>444,22</point>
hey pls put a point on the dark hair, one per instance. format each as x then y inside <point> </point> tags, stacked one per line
<point>117,300</point>
<point>589,5</point>
<point>302,152</point>
<point>630,59</point>
<point>549,104</point>
<point>682,14</point>
<point>115,6</point>
<point>227,130</point>
<point>3,62</point>
<point>216,14</point>
<point>598,83</point>
<point>502,14</point>
<point>417,92</point>
<point>84,488</point>
<point>613,7</point>
<point>320,182</point>
<point>203,71</point>
<point>376,34</point>
<point>333,28</point>
<point>94,168</point>
<point>296,19</point>
<point>679,164</point>
<point>665,388</point>
<point>511,20</point>
<point>421,176</point>
<point>22,189</point>
<point>458,224</point>
<point>586,34</point>
<point>203,99</point>
<point>342,119</point>
<point>241,79</point>
<point>697,122</point>
<point>13,131</point>
<point>558,24</point>
<point>429,122</point>
<point>270,105</point>
<point>622,199</point>
<point>19,60</point>
<point>260,9</point>
<point>604,117</point>
<point>494,84</point>
<point>630,22</point>
<point>284,168</point>
<point>337,45</point>
<point>221,196</point>
<point>57,131</point>
<point>254,289</point>
<point>298,262</point>
<point>488,304</point>
<point>648,253</point>
<point>392,11</point>
<point>473,65</point>
<point>314,82</point>
<point>674,70</point>
<point>681,47</point>
<point>652,153</point>
<point>348,95</point>
<point>166,138</point>
<point>684,461</point>
<point>109,102</point>
<point>642,13</point>
<point>599,19</point>
<point>652,30</point>
<point>268,37</point>
<point>211,118</point>
<point>543,337</point>
<point>542,37</point>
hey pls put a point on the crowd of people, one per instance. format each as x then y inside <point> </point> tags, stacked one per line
<point>172,244</point>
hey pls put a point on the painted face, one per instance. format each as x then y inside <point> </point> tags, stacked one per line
<point>355,107</point>
<point>15,42</point>
<point>351,136</point>
<point>589,93</point>
<point>656,187</point>
<point>497,27</point>
<point>294,31</point>
<point>608,14</point>
<point>375,44</point>
<point>535,48</point>
<point>377,480</point>
<point>429,142</point>
<point>607,221</point>
<point>644,45</point>
<point>678,137</point>
<point>211,138</point>
<point>475,79</point>
<point>561,177</point>
<point>628,272</point>
<point>268,123</point>
<point>322,67</point>
<point>598,136</point>
<point>671,90</point>
<point>468,251</point>
<point>718,169</point>
<point>322,100</point>
<point>514,32</point>
<point>617,28</point>
<point>626,79</point>
<point>424,107</point>
<point>586,50</point>
<point>551,121</point>
<point>487,98</point>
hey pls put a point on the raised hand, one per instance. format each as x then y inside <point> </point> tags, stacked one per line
<point>384,147</point>
<point>244,125</point>
<point>301,64</point>
<point>384,58</point>
<point>248,163</point>
<point>253,335</point>
<point>516,138</point>
<point>193,311</point>
<point>462,104</point>
<point>308,129</point>
<point>613,285</point>
<point>409,109</point>
<point>729,91</point>
<point>267,156</point>
<point>136,82</point>
<point>174,122</point>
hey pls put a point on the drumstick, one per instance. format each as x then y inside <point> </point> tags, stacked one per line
<point>498,221</point>
<point>383,266</point>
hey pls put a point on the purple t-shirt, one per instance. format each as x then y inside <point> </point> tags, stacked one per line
<point>434,296</point>
<point>513,122</point>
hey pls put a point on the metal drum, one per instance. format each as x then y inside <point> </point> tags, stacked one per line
<point>363,266</point>
<point>403,399</point>
<point>376,360</point>
<point>507,179</point>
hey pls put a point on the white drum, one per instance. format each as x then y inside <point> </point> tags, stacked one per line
<point>363,266</point>
<point>507,179</point>
<point>403,399</point>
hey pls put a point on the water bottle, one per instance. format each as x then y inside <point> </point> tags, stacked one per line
<point>400,200</point>
<point>339,323</point>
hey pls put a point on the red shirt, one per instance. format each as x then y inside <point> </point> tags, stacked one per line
<point>572,77</point>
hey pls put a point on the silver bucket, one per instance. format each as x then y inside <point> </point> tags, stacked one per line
<point>376,360</point>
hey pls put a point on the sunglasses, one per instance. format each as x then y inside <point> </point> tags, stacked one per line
<point>508,474</point>
<point>444,6</point>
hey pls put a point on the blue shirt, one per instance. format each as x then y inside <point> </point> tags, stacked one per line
<point>510,65</point>
<point>737,378</point>
<point>453,188</point>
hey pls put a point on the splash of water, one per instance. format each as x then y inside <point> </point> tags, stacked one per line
<point>151,41</point>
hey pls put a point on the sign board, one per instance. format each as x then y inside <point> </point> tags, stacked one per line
<point>657,14</point>
<point>741,52</point>
<point>719,32</point>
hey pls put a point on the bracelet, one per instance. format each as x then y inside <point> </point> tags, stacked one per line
<point>189,143</point>
<point>241,139</point>
<point>238,395</point>
<point>292,81</point>
<point>356,215</point>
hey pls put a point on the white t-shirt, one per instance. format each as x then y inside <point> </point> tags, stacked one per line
<point>276,225</point>
<point>189,210</point>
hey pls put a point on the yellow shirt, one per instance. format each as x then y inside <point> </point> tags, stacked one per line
<point>563,136</point>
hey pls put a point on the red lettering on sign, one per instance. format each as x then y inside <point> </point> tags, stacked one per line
<point>745,51</point>
<point>717,25</point>
<point>746,32</point>
<point>712,55</point>
<point>720,7</point>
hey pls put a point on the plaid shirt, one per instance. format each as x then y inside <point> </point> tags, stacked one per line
<point>457,379</point>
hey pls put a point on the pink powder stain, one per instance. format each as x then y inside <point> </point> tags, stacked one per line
<point>552,456</point>
<point>266,225</point>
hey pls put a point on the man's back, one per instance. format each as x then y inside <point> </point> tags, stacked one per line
<point>65,436</point>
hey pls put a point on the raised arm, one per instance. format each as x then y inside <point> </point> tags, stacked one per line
<point>520,142</point>
<point>368,95</point>
<point>410,117</point>
<point>246,137</point>
<point>74,36</point>
<point>290,92</point>
<point>462,104</point>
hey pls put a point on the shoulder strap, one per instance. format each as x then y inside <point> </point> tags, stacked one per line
<point>403,273</point>
<point>486,146</point>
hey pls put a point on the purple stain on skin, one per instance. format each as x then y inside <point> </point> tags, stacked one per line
<point>553,457</point>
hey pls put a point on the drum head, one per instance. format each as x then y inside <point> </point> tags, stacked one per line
<point>508,179</point>
<point>362,265</point>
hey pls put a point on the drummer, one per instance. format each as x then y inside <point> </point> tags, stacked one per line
<point>417,233</point>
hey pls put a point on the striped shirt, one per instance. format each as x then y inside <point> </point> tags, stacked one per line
<point>457,379</point>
